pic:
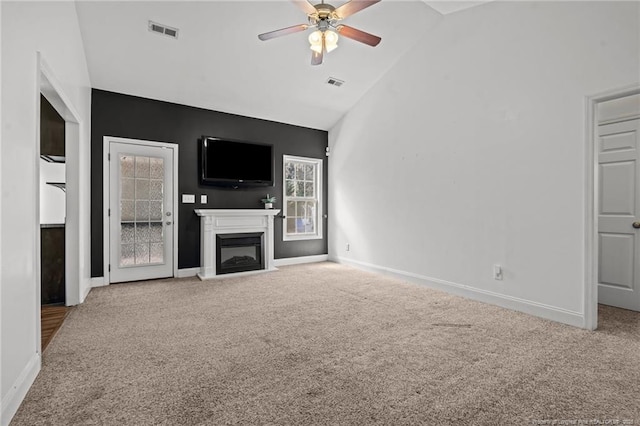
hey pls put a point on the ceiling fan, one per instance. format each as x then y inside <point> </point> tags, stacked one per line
<point>325,19</point>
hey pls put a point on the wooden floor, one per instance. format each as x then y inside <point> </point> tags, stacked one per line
<point>52,317</point>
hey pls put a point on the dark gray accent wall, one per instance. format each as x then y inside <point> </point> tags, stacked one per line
<point>114,114</point>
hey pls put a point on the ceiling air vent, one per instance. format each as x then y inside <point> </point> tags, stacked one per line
<point>335,82</point>
<point>154,27</point>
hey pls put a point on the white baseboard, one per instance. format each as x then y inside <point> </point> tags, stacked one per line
<point>93,282</point>
<point>301,259</point>
<point>187,272</point>
<point>98,282</point>
<point>14,397</point>
<point>85,288</point>
<point>552,313</point>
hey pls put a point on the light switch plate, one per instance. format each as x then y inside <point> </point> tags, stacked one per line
<point>188,198</point>
<point>203,199</point>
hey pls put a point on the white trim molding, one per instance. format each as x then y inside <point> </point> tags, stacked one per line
<point>98,282</point>
<point>553,313</point>
<point>14,397</point>
<point>188,272</point>
<point>51,88</point>
<point>300,260</point>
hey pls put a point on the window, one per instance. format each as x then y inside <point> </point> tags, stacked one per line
<point>302,198</point>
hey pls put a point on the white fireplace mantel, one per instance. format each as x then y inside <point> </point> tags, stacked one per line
<point>231,221</point>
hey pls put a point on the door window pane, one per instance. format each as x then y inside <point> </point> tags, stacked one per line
<point>127,166</point>
<point>128,188</point>
<point>155,232</point>
<point>141,210</point>
<point>156,254</point>
<point>127,255</point>
<point>155,210</point>
<point>142,253</point>
<point>142,189</point>
<point>156,168</point>
<point>127,233</point>
<point>142,167</point>
<point>127,210</point>
<point>155,189</point>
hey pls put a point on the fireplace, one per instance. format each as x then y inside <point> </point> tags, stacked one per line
<point>230,224</point>
<point>239,252</point>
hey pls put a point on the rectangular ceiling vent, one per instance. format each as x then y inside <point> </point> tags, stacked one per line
<point>335,82</point>
<point>154,27</point>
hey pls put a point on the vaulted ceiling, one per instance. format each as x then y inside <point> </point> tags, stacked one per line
<point>218,63</point>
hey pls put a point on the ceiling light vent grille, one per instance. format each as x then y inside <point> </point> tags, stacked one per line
<point>154,27</point>
<point>335,82</point>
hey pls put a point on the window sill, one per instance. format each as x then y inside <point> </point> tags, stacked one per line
<point>301,237</point>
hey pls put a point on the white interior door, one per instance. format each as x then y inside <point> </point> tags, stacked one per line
<point>141,217</point>
<point>619,215</point>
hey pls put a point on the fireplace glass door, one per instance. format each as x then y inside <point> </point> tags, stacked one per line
<point>239,252</point>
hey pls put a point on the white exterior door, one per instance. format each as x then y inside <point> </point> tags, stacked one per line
<point>141,217</point>
<point>619,214</point>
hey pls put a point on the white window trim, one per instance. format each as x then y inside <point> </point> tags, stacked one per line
<point>319,197</point>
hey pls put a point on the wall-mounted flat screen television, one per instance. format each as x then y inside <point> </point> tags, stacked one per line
<point>233,163</point>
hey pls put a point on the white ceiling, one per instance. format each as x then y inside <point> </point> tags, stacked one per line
<point>218,63</point>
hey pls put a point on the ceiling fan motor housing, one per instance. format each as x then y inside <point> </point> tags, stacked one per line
<point>325,13</point>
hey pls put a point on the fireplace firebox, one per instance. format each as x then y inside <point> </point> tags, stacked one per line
<point>239,252</point>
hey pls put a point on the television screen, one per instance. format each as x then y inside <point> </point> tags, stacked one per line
<point>226,162</point>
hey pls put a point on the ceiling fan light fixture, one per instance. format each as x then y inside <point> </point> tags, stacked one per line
<point>330,40</point>
<point>316,48</point>
<point>315,39</point>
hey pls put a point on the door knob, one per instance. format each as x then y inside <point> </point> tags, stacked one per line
<point>168,222</point>
<point>636,225</point>
<point>168,213</point>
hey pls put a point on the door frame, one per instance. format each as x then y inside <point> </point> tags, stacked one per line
<point>106,190</point>
<point>48,85</point>
<point>590,293</point>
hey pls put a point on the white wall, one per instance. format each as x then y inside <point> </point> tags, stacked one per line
<point>28,27</point>
<point>471,151</point>
<point>52,199</point>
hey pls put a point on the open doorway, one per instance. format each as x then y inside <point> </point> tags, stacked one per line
<point>52,220</point>
<point>613,200</point>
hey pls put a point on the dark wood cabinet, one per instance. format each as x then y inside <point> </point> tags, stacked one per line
<point>51,130</point>
<point>52,273</point>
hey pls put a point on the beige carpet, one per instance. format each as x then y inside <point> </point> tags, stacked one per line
<point>326,344</point>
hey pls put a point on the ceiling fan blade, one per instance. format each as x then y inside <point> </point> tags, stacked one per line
<point>283,31</point>
<point>353,6</point>
<point>316,58</point>
<point>358,35</point>
<point>305,6</point>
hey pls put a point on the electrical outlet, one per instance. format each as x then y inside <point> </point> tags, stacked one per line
<point>203,199</point>
<point>497,272</point>
<point>348,247</point>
